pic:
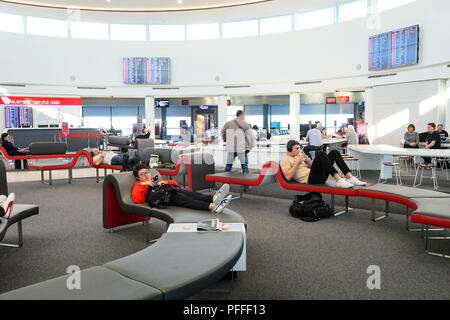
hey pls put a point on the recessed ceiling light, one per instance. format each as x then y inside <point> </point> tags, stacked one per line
<point>180,1</point>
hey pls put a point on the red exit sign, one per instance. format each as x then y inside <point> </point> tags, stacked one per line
<point>343,99</point>
<point>331,100</point>
<point>185,102</point>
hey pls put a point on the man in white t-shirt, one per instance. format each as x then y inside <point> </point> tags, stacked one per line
<point>111,158</point>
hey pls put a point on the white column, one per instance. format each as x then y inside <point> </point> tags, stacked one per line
<point>443,104</point>
<point>447,113</point>
<point>221,113</point>
<point>294,114</point>
<point>370,115</point>
<point>150,115</point>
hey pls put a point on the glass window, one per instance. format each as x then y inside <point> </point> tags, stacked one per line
<point>352,10</point>
<point>89,30</point>
<point>11,23</point>
<point>231,111</point>
<point>337,115</point>
<point>123,117</point>
<point>240,29</point>
<point>175,116</point>
<point>314,18</point>
<point>312,112</point>
<point>128,32</point>
<point>383,5</point>
<point>167,32</point>
<point>97,117</point>
<point>46,27</point>
<point>279,116</point>
<point>202,31</point>
<point>275,25</point>
<point>254,114</point>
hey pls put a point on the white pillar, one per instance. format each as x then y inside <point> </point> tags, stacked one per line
<point>294,114</point>
<point>370,115</point>
<point>150,115</point>
<point>447,112</point>
<point>221,113</point>
<point>443,104</point>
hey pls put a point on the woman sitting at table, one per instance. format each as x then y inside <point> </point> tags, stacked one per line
<point>411,137</point>
<point>12,150</point>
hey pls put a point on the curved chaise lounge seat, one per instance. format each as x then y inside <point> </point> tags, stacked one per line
<point>177,266</point>
<point>69,165</point>
<point>119,208</point>
<point>19,212</point>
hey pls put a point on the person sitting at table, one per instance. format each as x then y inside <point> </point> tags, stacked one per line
<point>442,133</point>
<point>432,140</point>
<point>111,158</point>
<point>411,137</point>
<point>156,191</point>
<point>265,135</point>
<point>352,136</point>
<point>12,150</point>
<point>314,138</point>
<point>304,170</point>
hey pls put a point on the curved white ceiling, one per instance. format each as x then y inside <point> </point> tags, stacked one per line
<point>137,5</point>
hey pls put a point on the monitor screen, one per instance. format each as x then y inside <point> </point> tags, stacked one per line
<point>143,70</point>
<point>162,103</point>
<point>394,49</point>
<point>18,117</point>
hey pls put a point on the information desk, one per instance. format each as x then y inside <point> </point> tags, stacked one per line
<point>371,157</point>
<point>241,264</point>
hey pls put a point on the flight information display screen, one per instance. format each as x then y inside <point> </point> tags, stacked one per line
<point>394,49</point>
<point>146,70</point>
<point>17,117</point>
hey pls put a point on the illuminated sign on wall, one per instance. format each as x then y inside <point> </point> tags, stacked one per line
<point>39,101</point>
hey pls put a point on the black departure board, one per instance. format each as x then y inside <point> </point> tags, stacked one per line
<point>146,70</point>
<point>394,49</point>
<point>17,117</point>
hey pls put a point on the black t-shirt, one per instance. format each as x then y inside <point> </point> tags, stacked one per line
<point>434,137</point>
<point>443,135</point>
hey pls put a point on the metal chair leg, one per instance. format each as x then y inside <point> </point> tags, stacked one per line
<point>20,238</point>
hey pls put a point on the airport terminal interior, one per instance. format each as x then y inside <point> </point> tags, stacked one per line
<point>189,87</point>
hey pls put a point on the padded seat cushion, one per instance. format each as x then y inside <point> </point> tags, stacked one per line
<point>169,265</point>
<point>97,283</point>
<point>41,148</point>
<point>433,207</point>
<point>407,192</point>
<point>19,212</point>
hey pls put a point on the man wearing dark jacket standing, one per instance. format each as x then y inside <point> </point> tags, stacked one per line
<point>240,140</point>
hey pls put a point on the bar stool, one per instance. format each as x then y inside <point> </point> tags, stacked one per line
<point>355,168</point>
<point>433,173</point>
<point>406,162</point>
<point>343,150</point>
<point>396,167</point>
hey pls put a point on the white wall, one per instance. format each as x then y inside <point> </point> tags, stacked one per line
<point>330,52</point>
<point>396,106</point>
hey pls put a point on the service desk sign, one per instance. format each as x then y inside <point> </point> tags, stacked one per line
<point>39,101</point>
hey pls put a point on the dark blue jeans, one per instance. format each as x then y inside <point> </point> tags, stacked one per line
<point>118,161</point>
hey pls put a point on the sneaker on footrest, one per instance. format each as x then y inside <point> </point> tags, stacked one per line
<point>356,181</point>
<point>221,193</point>
<point>222,204</point>
<point>343,183</point>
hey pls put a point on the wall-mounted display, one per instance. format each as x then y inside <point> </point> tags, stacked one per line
<point>142,70</point>
<point>18,117</point>
<point>394,49</point>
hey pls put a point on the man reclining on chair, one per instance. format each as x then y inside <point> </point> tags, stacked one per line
<point>302,169</point>
<point>111,158</point>
<point>156,192</point>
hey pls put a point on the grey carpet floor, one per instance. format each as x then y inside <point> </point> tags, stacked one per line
<point>286,258</point>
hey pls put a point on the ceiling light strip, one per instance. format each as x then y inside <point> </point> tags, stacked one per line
<point>141,10</point>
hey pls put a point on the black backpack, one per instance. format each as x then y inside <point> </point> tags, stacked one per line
<point>310,207</point>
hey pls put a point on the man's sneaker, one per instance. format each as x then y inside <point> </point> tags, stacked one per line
<point>222,204</point>
<point>2,198</point>
<point>331,182</point>
<point>221,193</point>
<point>8,204</point>
<point>342,183</point>
<point>356,181</point>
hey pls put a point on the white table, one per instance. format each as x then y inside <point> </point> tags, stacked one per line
<point>241,264</point>
<point>371,157</point>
